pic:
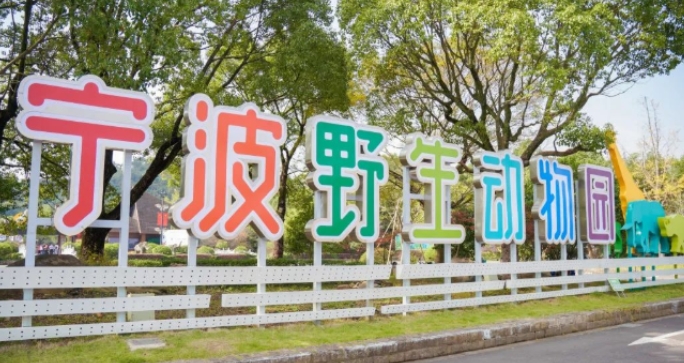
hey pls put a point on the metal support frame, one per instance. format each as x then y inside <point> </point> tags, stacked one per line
<point>192,262</point>
<point>319,201</point>
<point>124,217</point>
<point>564,257</point>
<point>32,225</point>
<point>261,263</point>
<point>406,219</point>
<point>578,221</point>
<point>478,244</point>
<point>514,259</point>
<point>447,220</point>
<point>34,221</point>
<point>537,244</point>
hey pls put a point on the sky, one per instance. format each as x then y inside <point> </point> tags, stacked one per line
<point>626,111</point>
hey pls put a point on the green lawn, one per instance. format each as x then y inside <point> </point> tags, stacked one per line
<point>197,344</point>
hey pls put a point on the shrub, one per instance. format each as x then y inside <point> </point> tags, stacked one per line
<point>182,249</point>
<point>6,249</point>
<point>241,249</point>
<point>221,245</point>
<point>430,255</point>
<point>205,250</point>
<point>146,263</point>
<point>379,257</point>
<point>111,251</point>
<point>15,256</point>
<point>164,250</point>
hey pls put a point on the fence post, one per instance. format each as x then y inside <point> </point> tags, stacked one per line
<point>537,244</point>
<point>318,246</point>
<point>32,224</point>
<point>564,257</point>
<point>192,262</point>
<point>261,263</point>
<point>406,219</point>
<point>123,222</point>
<point>370,261</point>
<point>446,216</point>
<point>578,219</point>
<point>514,259</point>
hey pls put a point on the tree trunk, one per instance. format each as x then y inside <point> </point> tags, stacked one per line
<point>279,249</point>
<point>94,238</point>
<point>505,257</point>
<point>92,247</point>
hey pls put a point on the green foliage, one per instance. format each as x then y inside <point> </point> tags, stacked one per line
<point>292,64</point>
<point>205,250</point>
<point>241,249</point>
<point>11,191</point>
<point>221,245</point>
<point>299,211</point>
<point>491,75</point>
<point>146,263</point>
<point>155,248</point>
<point>379,257</point>
<point>430,255</point>
<point>168,260</point>
<point>6,250</point>
<point>111,251</point>
<point>164,250</point>
<point>181,249</point>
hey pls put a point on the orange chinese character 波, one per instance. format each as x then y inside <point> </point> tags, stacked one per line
<point>219,194</point>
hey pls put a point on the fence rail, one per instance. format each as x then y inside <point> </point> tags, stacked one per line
<point>431,281</point>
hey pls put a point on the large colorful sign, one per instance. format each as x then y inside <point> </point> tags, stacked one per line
<point>92,118</point>
<point>431,161</point>
<point>499,198</point>
<point>554,205</point>
<point>597,204</point>
<point>219,194</point>
<point>231,170</point>
<point>344,158</point>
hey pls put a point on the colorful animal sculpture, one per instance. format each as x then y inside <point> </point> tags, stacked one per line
<point>618,246</point>
<point>643,230</point>
<point>673,226</point>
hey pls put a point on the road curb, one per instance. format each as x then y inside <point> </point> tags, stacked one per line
<point>423,346</point>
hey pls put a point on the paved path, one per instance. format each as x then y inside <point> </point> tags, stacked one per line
<point>655,341</point>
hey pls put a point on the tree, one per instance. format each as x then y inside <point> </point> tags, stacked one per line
<point>654,167</point>
<point>305,74</point>
<point>174,49</point>
<point>492,74</point>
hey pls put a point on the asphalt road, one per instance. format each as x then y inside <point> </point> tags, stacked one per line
<point>655,341</point>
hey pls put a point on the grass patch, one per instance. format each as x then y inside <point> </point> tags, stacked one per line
<point>203,344</point>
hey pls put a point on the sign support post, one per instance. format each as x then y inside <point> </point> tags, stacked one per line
<point>406,220</point>
<point>580,244</point>
<point>123,222</point>
<point>478,244</point>
<point>537,245</point>
<point>32,224</point>
<point>192,262</point>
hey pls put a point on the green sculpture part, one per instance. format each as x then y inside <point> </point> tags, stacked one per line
<point>673,226</point>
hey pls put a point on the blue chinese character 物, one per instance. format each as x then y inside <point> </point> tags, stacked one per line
<point>554,203</point>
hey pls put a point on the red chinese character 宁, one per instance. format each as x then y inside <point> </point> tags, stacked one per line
<point>92,118</point>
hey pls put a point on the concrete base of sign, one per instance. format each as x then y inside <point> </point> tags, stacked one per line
<point>139,315</point>
<point>146,343</point>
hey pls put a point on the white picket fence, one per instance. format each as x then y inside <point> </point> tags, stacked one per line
<point>643,274</point>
